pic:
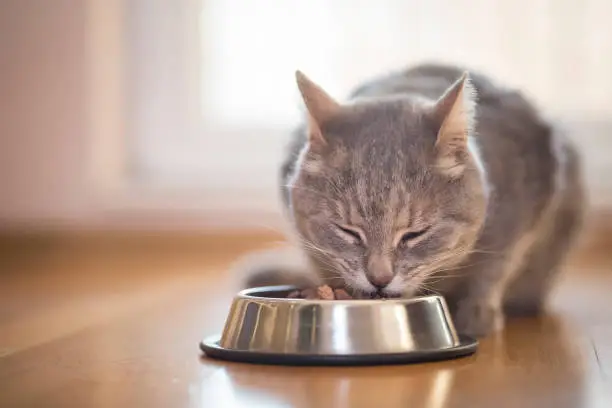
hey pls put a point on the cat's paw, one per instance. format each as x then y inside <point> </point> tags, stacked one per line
<point>477,319</point>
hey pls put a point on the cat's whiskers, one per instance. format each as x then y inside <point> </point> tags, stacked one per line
<point>412,285</point>
<point>310,244</point>
<point>326,266</point>
<point>436,278</point>
<point>320,257</point>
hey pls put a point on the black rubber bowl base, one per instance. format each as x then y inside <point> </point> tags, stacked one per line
<point>212,349</point>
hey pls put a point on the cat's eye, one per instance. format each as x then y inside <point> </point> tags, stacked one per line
<point>350,232</point>
<point>412,235</point>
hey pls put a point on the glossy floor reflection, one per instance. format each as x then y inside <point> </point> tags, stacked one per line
<point>88,325</point>
<point>534,363</point>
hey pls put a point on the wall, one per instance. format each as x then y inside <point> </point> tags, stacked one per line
<point>43,117</point>
<point>61,138</point>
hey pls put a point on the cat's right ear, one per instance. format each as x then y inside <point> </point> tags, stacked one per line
<point>320,106</point>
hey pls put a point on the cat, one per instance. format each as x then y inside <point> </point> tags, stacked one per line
<point>431,180</point>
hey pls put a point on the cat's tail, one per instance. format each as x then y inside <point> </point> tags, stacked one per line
<point>278,266</point>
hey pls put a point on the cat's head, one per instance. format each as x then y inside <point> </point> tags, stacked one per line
<point>387,191</point>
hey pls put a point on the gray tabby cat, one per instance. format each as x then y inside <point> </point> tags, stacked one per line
<point>417,185</point>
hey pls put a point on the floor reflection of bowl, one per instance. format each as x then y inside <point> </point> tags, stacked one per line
<point>265,327</point>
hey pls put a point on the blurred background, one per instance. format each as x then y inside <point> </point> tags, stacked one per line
<point>139,148</point>
<point>168,114</point>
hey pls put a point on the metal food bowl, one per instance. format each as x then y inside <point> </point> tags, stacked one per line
<point>263,326</point>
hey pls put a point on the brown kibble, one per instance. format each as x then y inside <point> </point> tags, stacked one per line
<point>341,294</point>
<point>325,292</point>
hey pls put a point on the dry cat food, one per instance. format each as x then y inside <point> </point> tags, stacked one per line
<point>324,292</point>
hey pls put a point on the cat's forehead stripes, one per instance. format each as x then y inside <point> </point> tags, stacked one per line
<point>378,208</point>
<point>399,210</point>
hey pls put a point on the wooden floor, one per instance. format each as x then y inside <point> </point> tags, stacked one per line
<point>116,323</point>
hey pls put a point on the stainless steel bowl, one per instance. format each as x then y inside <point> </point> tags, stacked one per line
<point>263,326</point>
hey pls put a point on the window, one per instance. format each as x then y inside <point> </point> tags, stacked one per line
<point>212,91</point>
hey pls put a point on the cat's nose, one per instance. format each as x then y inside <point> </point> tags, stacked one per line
<point>381,280</point>
<point>379,269</point>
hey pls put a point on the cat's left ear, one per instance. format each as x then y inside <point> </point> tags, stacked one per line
<point>455,111</point>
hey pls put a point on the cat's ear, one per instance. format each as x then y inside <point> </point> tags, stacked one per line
<point>455,112</point>
<point>321,107</point>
